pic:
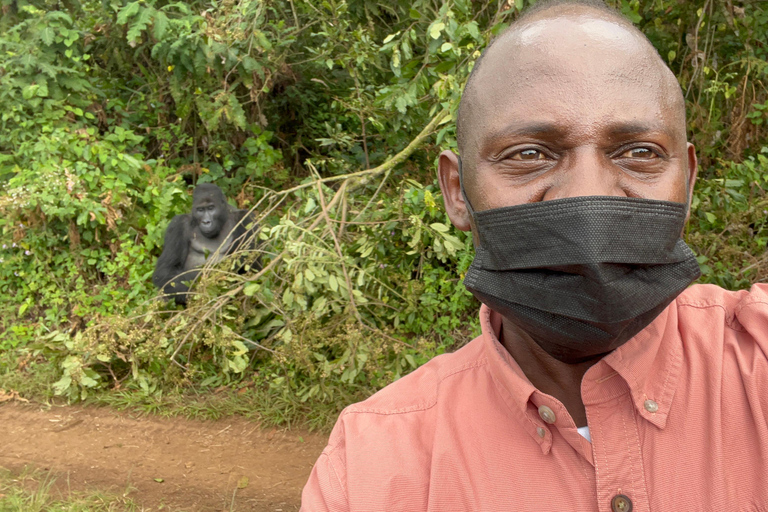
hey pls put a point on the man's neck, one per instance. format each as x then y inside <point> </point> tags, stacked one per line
<point>547,374</point>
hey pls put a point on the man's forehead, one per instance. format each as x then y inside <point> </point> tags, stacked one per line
<point>580,43</point>
<point>591,25</point>
<point>564,61</point>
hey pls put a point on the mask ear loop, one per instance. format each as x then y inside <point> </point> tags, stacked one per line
<point>464,193</point>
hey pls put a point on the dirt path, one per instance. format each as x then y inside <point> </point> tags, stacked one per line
<point>200,463</point>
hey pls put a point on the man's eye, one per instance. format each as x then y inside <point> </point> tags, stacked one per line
<point>529,154</point>
<point>643,153</point>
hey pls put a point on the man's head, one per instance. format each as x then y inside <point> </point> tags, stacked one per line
<point>209,209</point>
<point>572,100</point>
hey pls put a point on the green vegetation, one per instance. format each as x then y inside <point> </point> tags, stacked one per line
<point>35,491</point>
<point>326,118</point>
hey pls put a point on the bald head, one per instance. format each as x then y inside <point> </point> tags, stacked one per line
<point>580,46</point>
<point>571,101</point>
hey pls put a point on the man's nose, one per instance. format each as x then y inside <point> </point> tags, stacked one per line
<point>586,172</point>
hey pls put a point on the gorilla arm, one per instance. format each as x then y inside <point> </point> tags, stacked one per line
<point>169,273</point>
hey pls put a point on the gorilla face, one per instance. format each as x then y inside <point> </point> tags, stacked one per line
<point>210,210</point>
<point>210,218</point>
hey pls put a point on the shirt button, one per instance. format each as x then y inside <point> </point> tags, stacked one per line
<point>541,432</point>
<point>547,414</point>
<point>651,406</point>
<point>621,503</point>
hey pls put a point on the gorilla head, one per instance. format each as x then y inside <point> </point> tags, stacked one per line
<point>209,209</point>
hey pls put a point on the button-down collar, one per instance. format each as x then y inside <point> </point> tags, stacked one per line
<point>635,362</point>
<point>649,367</point>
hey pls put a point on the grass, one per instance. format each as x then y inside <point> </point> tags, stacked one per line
<point>258,404</point>
<point>34,380</point>
<point>36,491</point>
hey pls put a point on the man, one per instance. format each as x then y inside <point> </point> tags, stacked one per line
<point>599,383</point>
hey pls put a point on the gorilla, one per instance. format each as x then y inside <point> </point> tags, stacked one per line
<point>193,240</point>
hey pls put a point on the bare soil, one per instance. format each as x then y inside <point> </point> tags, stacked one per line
<point>169,463</point>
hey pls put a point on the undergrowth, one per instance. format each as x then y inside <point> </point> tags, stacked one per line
<point>326,120</point>
<point>40,491</point>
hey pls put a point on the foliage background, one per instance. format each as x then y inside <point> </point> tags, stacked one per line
<point>326,117</point>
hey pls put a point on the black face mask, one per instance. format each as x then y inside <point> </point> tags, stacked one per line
<point>581,275</point>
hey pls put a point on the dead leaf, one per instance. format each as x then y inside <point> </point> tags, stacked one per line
<point>8,396</point>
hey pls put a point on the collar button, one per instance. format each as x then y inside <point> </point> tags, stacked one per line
<point>541,432</point>
<point>651,406</point>
<point>547,414</point>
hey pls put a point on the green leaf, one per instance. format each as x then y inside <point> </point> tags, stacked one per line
<point>333,283</point>
<point>711,217</point>
<point>159,25</point>
<point>319,305</point>
<point>288,298</point>
<point>473,30</point>
<point>436,29</point>
<point>519,4</point>
<point>29,92</point>
<point>62,385</point>
<point>128,11</point>
<point>88,381</point>
<point>671,55</point>
<point>251,288</point>
<point>405,46</point>
<point>47,35</point>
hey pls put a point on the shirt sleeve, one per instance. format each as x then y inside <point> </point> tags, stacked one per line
<point>751,350</point>
<point>324,491</point>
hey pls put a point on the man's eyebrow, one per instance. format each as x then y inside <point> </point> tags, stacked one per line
<point>637,129</point>
<point>550,130</point>
<point>524,129</point>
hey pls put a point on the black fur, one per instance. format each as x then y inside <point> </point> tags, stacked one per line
<point>170,275</point>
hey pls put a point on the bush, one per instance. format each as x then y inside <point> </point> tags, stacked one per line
<point>326,119</point>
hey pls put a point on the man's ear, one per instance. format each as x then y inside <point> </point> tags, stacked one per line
<point>448,176</point>
<point>693,171</point>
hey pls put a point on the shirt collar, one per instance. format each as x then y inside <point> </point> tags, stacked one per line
<point>514,387</point>
<point>649,364</point>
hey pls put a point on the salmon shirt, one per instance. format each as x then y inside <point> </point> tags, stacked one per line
<point>678,418</point>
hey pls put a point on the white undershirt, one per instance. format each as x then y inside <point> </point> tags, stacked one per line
<point>584,431</point>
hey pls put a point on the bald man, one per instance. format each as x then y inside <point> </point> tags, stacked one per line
<point>601,380</point>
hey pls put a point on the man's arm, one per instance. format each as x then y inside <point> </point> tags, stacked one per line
<point>324,491</point>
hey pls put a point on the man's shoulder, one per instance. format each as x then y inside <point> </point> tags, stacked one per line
<point>732,303</point>
<point>713,321</point>
<point>419,390</point>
